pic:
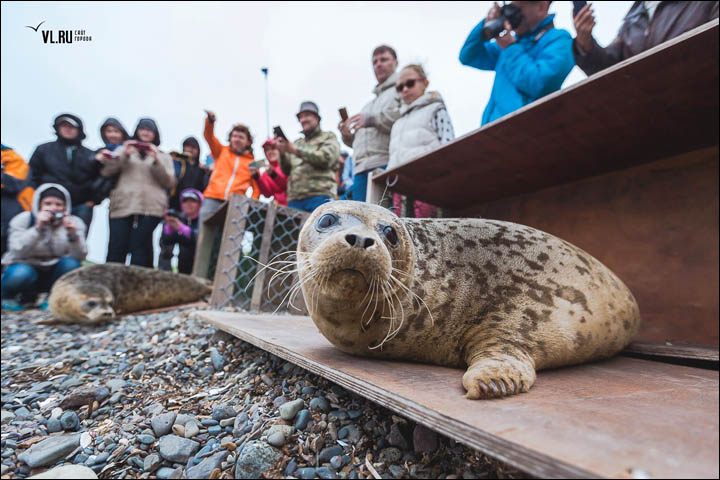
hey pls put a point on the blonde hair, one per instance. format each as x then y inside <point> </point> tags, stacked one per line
<point>417,69</point>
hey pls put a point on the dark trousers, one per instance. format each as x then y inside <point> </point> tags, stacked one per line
<point>133,235</point>
<point>28,279</point>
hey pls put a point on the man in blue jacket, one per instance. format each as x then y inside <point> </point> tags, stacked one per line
<point>529,63</point>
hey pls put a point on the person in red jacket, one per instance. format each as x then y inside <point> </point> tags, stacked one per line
<point>232,166</point>
<point>272,182</point>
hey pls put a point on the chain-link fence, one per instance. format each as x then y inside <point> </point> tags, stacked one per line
<point>254,235</point>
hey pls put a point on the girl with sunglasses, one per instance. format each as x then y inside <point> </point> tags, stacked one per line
<point>423,126</point>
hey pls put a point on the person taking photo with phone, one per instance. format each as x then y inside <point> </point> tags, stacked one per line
<point>43,244</point>
<point>139,201</point>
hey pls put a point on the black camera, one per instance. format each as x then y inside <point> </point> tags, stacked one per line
<point>509,13</point>
<point>56,219</point>
<point>174,213</point>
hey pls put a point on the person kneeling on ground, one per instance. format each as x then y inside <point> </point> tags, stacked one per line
<point>42,246</point>
<point>182,228</point>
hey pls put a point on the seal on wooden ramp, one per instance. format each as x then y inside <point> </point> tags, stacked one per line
<point>501,299</point>
<point>98,293</point>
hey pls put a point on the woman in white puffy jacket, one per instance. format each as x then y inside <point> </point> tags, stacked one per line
<point>424,125</point>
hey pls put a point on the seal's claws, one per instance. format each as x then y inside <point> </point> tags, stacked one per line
<point>493,387</point>
<point>503,389</point>
<point>511,384</point>
<point>483,387</point>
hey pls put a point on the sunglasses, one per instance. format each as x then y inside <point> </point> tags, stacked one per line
<point>409,84</point>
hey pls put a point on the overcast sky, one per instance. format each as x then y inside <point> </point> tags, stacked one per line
<point>170,61</point>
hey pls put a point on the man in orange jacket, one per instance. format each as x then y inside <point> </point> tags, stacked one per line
<point>16,195</point>
<point>232,171</point>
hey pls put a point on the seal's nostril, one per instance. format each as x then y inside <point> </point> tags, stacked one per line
<point>351,239</point>
<point>369,242</point>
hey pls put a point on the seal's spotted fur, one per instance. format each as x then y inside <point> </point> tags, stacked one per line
<point>501,299</point>
<point>99,292</point>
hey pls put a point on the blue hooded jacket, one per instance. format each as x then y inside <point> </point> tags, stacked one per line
<point>535,65</point>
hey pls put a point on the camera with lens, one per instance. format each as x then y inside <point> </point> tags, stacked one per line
<point>56,219</point>
<point>509,13</point>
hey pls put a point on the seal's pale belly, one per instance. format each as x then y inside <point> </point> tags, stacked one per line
<point>502,299</point>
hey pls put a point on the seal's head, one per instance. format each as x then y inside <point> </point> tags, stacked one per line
<point>85,303</point>
<point>350,251</point>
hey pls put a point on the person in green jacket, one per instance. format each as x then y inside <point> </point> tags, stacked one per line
<point>310,162</point>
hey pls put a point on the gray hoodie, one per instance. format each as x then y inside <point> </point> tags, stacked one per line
<point>43,247</point>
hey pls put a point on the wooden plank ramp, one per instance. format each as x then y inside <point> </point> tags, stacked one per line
<point>596,420</point>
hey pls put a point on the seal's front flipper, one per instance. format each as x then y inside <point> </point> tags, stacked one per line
<point>494,374</point>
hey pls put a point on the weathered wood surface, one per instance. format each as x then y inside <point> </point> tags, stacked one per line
<point>594,420</point>
<point>230,254</point>
<point>654,225</point>
<point>671,350</point>
<point>659,103</point>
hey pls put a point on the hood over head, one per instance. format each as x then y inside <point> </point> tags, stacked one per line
<point>73,120</point>
<point>150,124</point>
<point>45,186</point>
<point>112,121</point>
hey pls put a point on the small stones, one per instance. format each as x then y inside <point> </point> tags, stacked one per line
<point>396,438</point>
<point>255,458</point>
<point>146,439</point>
<point>276,439</point>
<point>68,471</point>
<point>319,403</point>
<point>7,416</point>
<point>390,455</point>
<point>162,424</point>
<point>221,412</point>
<point>302,418</point>
<point>176,449</point>
<point>218,361</point>
<point>290,409</point>
<point>205,468</point>
<point>49,450</point>
<point>85,440</point>
<point>54,426</point>
<point>152,462</point>
<point>69,421</point>
<point>327,453</point>
<point>138,370</point>
<point>178,430</point>
<point>307,472</point>
<point>191,429</point>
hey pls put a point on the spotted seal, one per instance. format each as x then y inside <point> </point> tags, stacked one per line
<point>500,299</point>
<point>99,292</point>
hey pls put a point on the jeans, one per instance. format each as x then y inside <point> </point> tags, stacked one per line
<point>85,213</point>
<point>133,235</point>
<point>359,185</point>
<point>310,203</point>
<point>23,278</point>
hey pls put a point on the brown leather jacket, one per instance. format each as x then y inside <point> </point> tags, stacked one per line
<point>639,33</point>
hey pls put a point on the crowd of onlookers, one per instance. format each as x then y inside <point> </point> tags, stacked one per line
<point>47,204</point>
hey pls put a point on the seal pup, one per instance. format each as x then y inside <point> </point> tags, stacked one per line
<point>500,299</point>
<point>99,292</point>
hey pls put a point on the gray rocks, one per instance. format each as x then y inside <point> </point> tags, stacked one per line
<point>307,472</point>
<point>176,449</point>
<point>218,361</point>
<point>146,439</point>
<point>221,412</point>
<point>54,426</point>
<point>7,416</point>
<point>276,439</point>
<point>302,418</point>
<point>327,453</point>
<point>205,468</point>
<point>290,409</point>
<point>191,429</point>
<point>138,370</point>
<point>255,458</point>
<point>162,424</point>
<point>396,438</point>
<point>68,471</point>
<point>319,403</point>
<point>152,462</point>
<point>69,421</point>
<point>116,384</point>
<point>390,455</point>
<point>50,450</point>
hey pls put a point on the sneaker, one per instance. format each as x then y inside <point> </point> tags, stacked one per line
<point>12,305</point>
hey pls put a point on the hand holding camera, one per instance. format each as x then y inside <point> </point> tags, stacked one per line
<point>502,19</point>
<point>48,218</point>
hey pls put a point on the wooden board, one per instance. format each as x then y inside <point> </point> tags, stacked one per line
<point>594,420</point>
<point>654,225</point>
<point>659,103</point>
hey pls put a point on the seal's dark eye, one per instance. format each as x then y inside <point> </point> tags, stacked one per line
<point>391,235</point>
<point>91,304</point>
<point>327,221</point>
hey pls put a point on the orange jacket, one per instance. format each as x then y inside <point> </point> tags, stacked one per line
<point>14,166</point>
<point>231,173</point>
